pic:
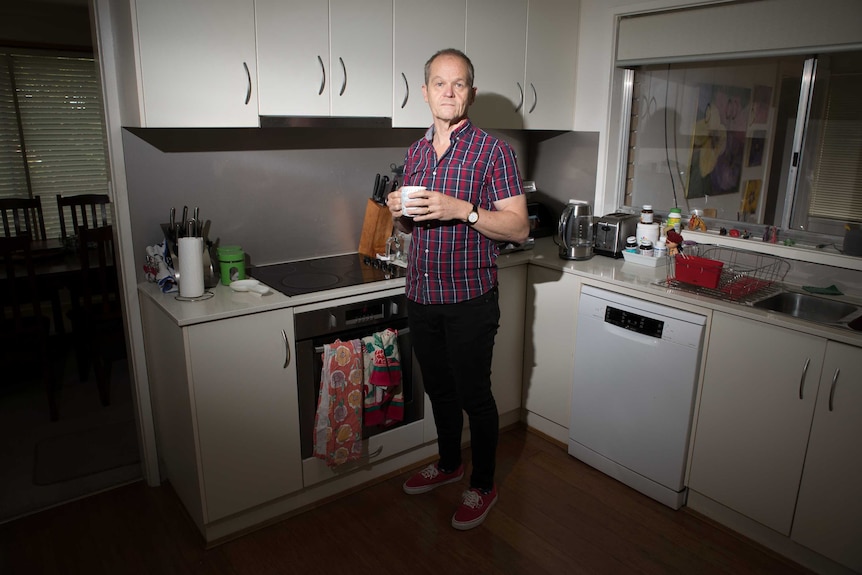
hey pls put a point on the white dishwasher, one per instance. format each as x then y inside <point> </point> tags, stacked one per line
<point>636,366</point>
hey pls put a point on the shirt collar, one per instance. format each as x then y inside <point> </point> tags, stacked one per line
<point>429,134</point>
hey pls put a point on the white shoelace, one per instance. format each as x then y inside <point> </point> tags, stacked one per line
<point>472,499</point>
<point>430,472</point>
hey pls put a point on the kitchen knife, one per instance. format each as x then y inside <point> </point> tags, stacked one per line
<point>197,218</point>
<point>381,194</point>
<point>375,188</point>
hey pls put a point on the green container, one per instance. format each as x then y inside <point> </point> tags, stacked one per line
<point>231,264</point>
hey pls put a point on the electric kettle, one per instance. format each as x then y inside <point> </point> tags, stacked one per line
<point>575,231</point>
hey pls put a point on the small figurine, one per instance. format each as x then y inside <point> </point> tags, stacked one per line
<point>673,242</point>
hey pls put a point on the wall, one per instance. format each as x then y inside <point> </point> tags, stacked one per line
<point>302,196</point>
<point>35,24</point>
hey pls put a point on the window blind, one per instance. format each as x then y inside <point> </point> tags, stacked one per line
<point>835,192</point>
<point>59,107</point>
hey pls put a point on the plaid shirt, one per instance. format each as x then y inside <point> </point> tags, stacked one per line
<point>450,262</point>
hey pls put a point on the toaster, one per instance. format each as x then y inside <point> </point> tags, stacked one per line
<point>611,231</point>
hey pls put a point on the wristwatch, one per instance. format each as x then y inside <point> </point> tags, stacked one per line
<point>473,217</point>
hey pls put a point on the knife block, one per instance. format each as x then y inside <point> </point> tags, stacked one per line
<point>376,229</point>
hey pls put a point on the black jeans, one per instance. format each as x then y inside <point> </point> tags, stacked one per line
<point>454,344</point>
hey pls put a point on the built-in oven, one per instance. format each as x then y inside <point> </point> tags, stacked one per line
<point>316,328</point>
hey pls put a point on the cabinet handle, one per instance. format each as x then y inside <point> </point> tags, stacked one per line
<point>521,91</point>
<point>832,389</point>
<point>802,379</point>
<point>406,91</point>
<point>248,76</point>
<point>286,349</point>
<point>322,76</point>
<point>344,83</point>
<point>535,98</point>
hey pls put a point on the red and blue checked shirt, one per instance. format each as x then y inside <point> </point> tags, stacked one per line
<point>450,262</point>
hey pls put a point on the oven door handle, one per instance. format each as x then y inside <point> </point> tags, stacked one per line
<point>321,348</point>
<point>286,349</point>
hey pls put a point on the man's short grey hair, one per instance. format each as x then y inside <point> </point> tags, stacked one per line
<point>450,52</point>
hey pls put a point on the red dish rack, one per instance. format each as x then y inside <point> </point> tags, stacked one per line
<point>725,273</point>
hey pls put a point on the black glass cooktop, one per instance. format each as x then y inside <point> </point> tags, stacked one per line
<point>319,274</point>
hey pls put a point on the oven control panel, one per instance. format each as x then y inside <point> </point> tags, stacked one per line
<point>376,311</point>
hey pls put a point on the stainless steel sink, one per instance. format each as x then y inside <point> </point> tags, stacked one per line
<point>811,308</point>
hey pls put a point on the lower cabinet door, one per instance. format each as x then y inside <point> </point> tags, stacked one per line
<point>829,509</point>
<point>245,405</point>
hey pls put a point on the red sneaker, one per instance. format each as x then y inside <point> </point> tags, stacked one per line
<point>431,477</point>
<point>474,508</point>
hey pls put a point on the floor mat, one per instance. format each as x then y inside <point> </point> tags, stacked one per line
<point>86,452</point>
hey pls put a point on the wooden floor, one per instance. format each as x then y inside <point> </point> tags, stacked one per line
<point>555,515</point>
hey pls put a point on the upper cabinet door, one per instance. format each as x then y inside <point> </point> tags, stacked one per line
<point>197,63</point>
<point>361,59</point>
<point>325,59</point>
<point>552,52</point>
<point>496,44</point>
<point>413,45</point>
<point>293,57</point>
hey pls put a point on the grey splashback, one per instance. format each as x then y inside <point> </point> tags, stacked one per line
<point>307,200</point>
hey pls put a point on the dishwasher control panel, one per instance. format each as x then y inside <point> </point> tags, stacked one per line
<point>634,322</point>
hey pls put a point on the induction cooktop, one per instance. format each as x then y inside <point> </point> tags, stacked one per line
<point>320,274</point>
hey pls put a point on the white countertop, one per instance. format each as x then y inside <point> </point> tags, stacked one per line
<point>636,280</point>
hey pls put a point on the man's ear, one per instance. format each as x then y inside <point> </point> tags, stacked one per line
<point>472,96</point>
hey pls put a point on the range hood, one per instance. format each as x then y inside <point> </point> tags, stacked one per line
<point>323,122</point>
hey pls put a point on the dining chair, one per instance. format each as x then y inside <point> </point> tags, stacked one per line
<point>24,332</point>
<point>23,216</point>
<point>87,210</point>
<point>96,314</point>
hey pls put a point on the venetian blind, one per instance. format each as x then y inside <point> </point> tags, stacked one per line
<point>56,122</point>
<point>835,190</point>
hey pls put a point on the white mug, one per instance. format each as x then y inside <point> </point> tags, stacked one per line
<point>405,196</point>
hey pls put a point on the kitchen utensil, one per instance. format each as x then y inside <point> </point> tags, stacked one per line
<point>381,195</point>
<point>375,190</point>
<point>376,229</point>
<point>575,231</point>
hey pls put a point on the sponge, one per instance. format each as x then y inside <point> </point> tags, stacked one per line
<point>831,290</point>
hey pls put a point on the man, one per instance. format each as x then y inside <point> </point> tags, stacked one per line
<point>473,201</point>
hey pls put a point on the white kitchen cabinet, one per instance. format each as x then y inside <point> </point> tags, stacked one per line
<point>496,44</point>
<point>829,509</point>
<point>196,62</point>
<point>226,412</point>
<point>757,401</point>
<point>246,408</point>
<point>549,350</point>
<point>525,53</point>
<point>413,45</point>
<point>325,59</point>
<point>552,52</point>
<point>507,365</point>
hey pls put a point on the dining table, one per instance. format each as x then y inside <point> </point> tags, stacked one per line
<point>57,265</point>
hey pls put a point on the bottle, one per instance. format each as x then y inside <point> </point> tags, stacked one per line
<point>645,248</point>
<point>646,214</point>
<point>674,219</point>
<point>632,244</point>
<point>660,248</point>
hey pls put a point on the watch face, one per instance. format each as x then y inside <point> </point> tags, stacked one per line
<point>473,217</point>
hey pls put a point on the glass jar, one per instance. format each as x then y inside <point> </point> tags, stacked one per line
<point>647,214</point>
<point>645,248</point>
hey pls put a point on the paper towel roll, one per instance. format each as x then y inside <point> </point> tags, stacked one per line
<point>191,251</point>
<point>648,232</point>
